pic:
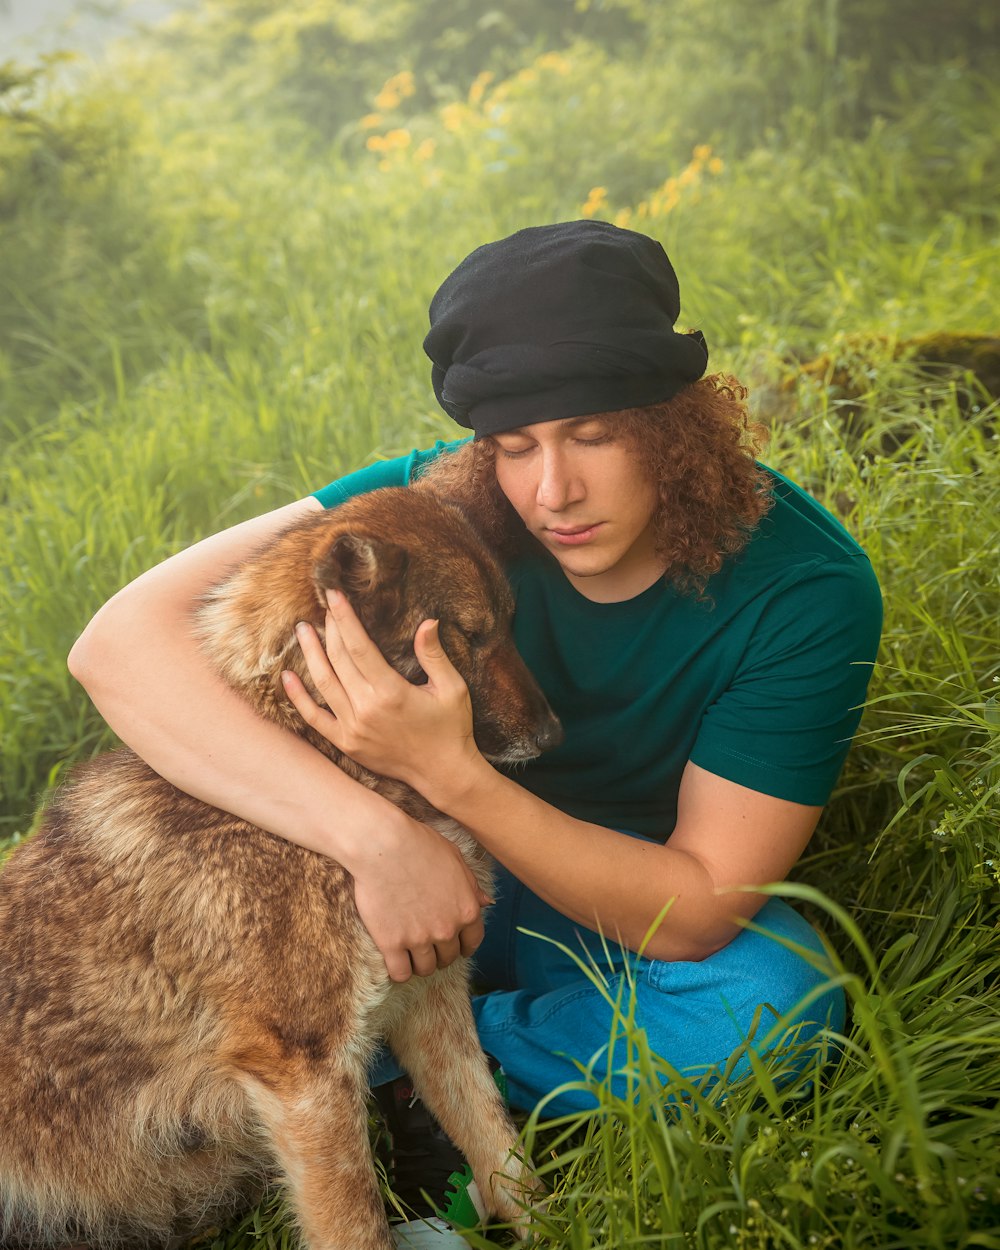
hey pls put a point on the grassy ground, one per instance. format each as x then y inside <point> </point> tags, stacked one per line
<point>212,304</point>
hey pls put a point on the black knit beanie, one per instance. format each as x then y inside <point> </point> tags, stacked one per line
<point>559,321</point>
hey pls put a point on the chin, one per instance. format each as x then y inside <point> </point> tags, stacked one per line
<point>586,568</point>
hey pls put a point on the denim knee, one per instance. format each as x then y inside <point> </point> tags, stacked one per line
<point>768,990</point>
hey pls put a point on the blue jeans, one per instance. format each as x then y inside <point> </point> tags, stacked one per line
<point>542,1016</point>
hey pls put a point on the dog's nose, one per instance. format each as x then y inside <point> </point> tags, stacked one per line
<point>550,734</point>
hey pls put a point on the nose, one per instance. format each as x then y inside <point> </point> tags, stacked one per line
<point>558,486</point>
<point>549,734</point>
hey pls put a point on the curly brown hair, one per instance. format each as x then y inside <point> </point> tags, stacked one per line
<point>699,447</point>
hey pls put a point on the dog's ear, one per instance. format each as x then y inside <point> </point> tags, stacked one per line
<point>359,564</point>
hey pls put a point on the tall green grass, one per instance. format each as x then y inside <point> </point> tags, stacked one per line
<point>212,303</point>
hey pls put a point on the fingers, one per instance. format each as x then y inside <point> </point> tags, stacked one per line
<point>316,717</point>
<point>351,650</point>
<point>348,645</point>
<point>432,657</point>
<point>423,961</point>
<point>428,959</point>
<point>325,676</point>
<point>398,965</point>
<point>470,937</point>
<point>427,642</point>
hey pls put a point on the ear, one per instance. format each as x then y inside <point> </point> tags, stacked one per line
<point>358,564</point>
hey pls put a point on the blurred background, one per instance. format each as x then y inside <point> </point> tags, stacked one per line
<point>30,26</point>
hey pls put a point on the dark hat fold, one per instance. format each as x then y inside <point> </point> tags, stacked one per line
<point>559,321</point>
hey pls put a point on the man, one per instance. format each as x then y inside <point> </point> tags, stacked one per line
<point>704,630</point>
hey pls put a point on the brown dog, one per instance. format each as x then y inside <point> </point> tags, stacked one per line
<point>187,1003</point>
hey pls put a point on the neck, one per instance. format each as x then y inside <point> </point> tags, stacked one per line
<point>616,585</point>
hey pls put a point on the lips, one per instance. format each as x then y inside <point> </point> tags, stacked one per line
<point>573,535</point>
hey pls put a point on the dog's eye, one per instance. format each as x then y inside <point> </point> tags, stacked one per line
<point>474,637</point>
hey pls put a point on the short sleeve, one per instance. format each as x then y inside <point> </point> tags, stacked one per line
<point>399,471</point>
<point>784,724</point>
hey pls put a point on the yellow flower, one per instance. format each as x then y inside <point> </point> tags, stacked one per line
<point>688,176</point>
<point>453,116</point>
<point>715,165</point>
<point>370,121</point>
<point>528,75</point>
<point>553,60</point>
<point>596,199</point>
<point>623,217</point>
<point>397,139</point>
<point>478,88</point>
<point>395,89</point>
<point>376,143</point>
<point>701,153</point>
<point>425,150</point>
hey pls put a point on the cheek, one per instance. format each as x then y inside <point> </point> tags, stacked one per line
<point>649,494</point>
<point>642,496</point>
<point>513,481</point>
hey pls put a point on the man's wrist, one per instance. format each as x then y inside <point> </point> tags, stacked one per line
<point>460,789</point>
<point>363,831</point>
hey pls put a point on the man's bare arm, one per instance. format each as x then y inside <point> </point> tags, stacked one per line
<point>142,667</point>
<point>727,838</point>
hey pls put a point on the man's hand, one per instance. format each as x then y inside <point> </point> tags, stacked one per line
<point>415,893</point>
<point>417,734</point>
<point>418,899</point>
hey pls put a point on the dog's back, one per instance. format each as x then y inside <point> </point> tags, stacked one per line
<point>187,1002</point>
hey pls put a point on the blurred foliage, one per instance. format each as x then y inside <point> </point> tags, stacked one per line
<point>123,231</point>
<point>322,60</point>
<point>835,62</point>
<point>86,266</point>
<point>825,66</point>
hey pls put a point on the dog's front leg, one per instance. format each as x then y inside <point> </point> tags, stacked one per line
<point>317,1119</point>
<point>436,1042</point>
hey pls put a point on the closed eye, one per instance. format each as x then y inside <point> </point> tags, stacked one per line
<point>475,636</point>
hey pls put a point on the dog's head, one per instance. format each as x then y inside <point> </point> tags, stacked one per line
<point>401,556</point>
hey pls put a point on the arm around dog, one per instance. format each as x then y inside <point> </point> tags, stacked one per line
<point>727,839</point>
<point>139,662</point>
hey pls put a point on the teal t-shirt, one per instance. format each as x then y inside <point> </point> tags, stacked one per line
<point>760,683</point>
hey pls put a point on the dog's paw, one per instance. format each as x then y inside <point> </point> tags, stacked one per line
<point>515,1193</point>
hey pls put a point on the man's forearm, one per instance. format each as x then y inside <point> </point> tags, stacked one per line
<point>212,745</point>
<point>605,880</point>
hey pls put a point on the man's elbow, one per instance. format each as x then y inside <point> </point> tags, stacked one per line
<point>688,949</point>
<point>689,939</point>
<point>92,653</point>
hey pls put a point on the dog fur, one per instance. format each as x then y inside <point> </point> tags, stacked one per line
<point>188,1004</point>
